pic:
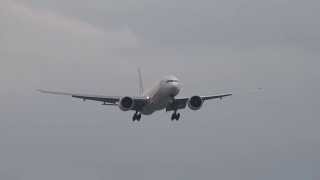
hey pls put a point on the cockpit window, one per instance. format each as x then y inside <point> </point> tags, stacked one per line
<point>169,81</point>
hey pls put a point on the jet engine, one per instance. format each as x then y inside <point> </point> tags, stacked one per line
<point>195,103</point>
<point>126,103</point>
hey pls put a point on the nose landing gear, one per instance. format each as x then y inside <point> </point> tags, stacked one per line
<point>136,117</point>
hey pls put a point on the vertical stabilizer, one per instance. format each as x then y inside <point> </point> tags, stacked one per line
<point>141,90</point>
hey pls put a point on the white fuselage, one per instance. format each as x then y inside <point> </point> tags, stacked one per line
<point>161,95</point>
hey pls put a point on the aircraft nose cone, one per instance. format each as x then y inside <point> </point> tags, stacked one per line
<point>175,89</point>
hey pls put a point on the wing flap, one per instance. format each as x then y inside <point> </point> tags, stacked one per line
<point>112,100</point>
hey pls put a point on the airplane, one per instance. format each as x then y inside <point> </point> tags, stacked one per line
<point>162,96</point>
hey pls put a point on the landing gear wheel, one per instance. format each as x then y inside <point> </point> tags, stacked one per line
<point>178,117</point>
<point>175,116</point>
<point>136,117</point>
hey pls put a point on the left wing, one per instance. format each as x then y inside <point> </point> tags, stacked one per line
<point>181,103</point>
<point>215,97</point>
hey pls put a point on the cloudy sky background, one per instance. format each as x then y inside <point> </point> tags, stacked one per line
<point>95,47</point>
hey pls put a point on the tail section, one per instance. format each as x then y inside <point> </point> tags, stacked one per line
<point>141,90</point>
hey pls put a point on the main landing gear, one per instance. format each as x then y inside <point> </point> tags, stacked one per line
<point>175,116</point>
<point>136,117</point>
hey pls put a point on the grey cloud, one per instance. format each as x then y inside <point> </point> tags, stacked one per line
<point>209,23</point>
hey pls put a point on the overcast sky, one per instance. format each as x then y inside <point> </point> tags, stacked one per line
<point>210,45</point>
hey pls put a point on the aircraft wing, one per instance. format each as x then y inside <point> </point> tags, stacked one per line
<point>111,100</point>
<point>215,97</point>
<point>181,103</point>
<point>139,102</point>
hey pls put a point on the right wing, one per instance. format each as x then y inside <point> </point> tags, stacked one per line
<point>139,102</point>
<point>112,100</point>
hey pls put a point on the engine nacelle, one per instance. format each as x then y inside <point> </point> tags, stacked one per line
<point>126,103</point>
<point>195,103</point>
